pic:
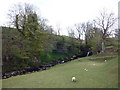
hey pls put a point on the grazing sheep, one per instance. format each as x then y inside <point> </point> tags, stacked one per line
<point>94,64</point>
<point>105,60</point>
<point>73,79</point>
<point>86,69</point>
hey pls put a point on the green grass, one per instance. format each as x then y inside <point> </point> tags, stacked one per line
<point>101,75</point>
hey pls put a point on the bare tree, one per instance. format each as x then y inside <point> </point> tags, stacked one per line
<point>87,31</point>
<point>58,28</point>
<point>71,32</point>
<point>19,15</point>
<point>80,29</point>
<point>80,32</point>
<point>117,33</point>
<point>105,21</point>
<point>19,11</point>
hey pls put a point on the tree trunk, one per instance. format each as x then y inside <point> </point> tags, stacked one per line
<point>103,46</point>
<point>79,43</point>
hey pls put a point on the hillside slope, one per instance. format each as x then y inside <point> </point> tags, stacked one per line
<point>100,74</point>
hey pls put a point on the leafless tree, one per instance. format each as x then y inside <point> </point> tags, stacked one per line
<point>80,30</point>
<point>19,11</point>
<point>105,21</point>
<point>58,28</point>
<point>18,15</point>
<point>71,32</point>
<point>117,33</point>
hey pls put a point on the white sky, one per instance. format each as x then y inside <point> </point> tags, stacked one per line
<point>63,12</point>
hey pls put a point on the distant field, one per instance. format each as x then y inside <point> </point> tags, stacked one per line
<point>100,74</point>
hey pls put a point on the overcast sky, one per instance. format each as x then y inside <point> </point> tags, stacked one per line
<point>63,13</point>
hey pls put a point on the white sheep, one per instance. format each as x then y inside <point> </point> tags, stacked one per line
<point>73,79</point>
<point>86,69</point>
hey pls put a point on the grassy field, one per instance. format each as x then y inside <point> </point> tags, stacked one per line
<point>100,74</point>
